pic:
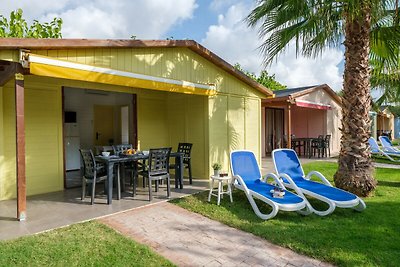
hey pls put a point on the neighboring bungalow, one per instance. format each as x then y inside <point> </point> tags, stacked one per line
<point>303,112</point>
<point>396,128</point>
<point>385,122</point>
<point>149,93</point>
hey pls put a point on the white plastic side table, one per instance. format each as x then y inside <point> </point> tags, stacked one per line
<point>220,191</point>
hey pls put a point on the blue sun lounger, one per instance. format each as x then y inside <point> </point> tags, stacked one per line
<point>376,150</point>
<point>388,147</point>
<point>288,167</point>
<point>247,177</point>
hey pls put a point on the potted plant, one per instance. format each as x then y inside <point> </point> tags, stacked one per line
<point>217,167</point>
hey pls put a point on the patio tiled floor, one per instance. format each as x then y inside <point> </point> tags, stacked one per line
<point>53,210</point>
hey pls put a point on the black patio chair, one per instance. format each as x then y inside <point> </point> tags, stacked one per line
<point>92,173</point>
<point>327,145</point>
<point>317,145</point>
<point>186,149</point>
<point>157,169</point>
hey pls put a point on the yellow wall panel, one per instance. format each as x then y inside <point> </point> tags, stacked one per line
<point>1,140</point>
<point>218,130</point>
<point>236,125</point>
<point>7,180</point>
<point>43,141</point>
<point>253,126</point>
<point>10,55</point>
<point>152,121</point>
<point>187,120</point>
<point>43,127</point>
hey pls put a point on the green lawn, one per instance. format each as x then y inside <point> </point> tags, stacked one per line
<point>84,244</point>
<point>344,238</point>
<point>383,159</point>
<point>396,142</point>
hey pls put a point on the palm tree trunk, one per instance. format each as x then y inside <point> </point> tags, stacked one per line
<point>355,172</point>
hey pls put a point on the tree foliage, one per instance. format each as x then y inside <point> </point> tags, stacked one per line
<point>264,78</point>
<point>16,26</point>
<point>385,56</point>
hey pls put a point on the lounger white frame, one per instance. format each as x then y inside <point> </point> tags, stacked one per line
<point>383,153</point>
<point>302,207</point>
<point>357,204</point>
<point>389,149</point>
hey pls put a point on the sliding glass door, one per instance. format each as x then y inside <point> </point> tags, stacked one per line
<point>274,129</point>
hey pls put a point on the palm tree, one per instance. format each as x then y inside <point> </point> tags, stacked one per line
<point>314,25</point>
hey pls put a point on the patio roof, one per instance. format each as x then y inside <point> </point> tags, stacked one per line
<point>290,95</point>
<point>29,43</point>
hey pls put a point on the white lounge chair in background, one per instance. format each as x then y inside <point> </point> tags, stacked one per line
<point>388,146</point>
<point>288,168</point>
<point>247,177</point>
<point>376,150</point>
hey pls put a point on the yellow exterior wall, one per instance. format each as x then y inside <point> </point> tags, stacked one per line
<point>44,170</point>
<point>187,120</point>
<point>152,120</point>
<point>10,55</point>
<point>7,180</point>
<point>2,157</point>
<point>234,123</point>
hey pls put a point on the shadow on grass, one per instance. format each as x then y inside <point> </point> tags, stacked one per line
<point>389,183</point>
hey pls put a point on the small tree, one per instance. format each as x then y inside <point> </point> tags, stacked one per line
<point>17,26</point>
<point>264,79</point>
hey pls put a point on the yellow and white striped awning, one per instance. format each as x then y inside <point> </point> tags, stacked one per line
<point>50,67</point>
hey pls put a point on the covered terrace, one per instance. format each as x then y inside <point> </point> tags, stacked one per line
<point>304,112</point>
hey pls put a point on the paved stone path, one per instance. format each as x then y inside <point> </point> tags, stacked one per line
<point>189,239</point>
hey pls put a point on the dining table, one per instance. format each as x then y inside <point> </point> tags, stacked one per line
<point>306,145</point>
<point>112,160</point>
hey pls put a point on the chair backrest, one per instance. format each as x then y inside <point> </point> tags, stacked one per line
<point>373,145</point>
<point>186,149</point>
<point>328,138</point>
<point>159,161</point>
<point>244,164</point>
<point>89,163</point>
<point>385,140</point>
<point>386,143</point>
<point>121,148</point>
<point>286,161</point>
<point>321,136</point>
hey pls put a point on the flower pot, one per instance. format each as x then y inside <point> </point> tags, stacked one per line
<point>216,172</point>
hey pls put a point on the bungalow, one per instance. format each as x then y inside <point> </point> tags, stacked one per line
<point>148,93</point>
<point>385,122</point>
<point>304,112</point>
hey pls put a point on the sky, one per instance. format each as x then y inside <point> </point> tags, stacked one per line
<point>216,24</point>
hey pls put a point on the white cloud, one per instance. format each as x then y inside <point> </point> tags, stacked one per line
<point>220,4</point>
<point>235,42</point>
<point>147,19</point>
